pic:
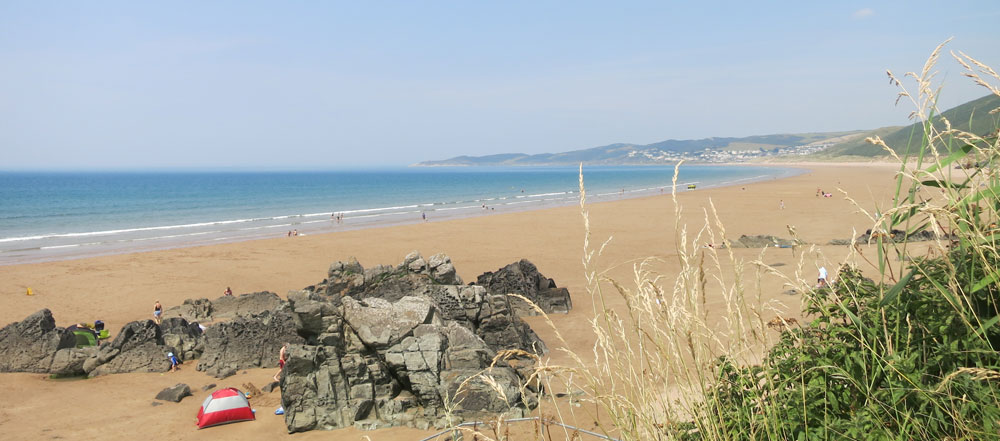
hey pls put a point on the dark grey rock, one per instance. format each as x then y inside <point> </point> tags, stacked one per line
<point>31,344</point>
<point>523,278</point>
<point>70,361</point>
<point>247,342</point>
<point>245,305</point>
<point>184,337</point>
<point>224,372</point>
<point>760,241</point>
<point>208,387</point>
<point>139,347</point>
<point>191,310</point>
<point>175,393</point>
<point>270,387</point>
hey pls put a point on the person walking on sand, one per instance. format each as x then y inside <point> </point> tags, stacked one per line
<point>424,216</point>
<point>781,204</point>
<point>229,291</point>
<point>282,356</point>
<point>157,312</point>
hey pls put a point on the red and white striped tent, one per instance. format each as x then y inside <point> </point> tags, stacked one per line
<point>224,406</point>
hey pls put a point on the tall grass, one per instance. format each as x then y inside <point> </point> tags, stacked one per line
<point>910,353</point>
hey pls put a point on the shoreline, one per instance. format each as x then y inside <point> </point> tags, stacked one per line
<point>121,288</point>
<point>360,219</point>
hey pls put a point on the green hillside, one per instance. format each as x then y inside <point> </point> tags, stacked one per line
<point>972,116</point>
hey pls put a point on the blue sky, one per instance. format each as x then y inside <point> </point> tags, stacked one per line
<point>119,85</point>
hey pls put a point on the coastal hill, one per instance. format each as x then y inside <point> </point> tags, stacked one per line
<point>972,116</point>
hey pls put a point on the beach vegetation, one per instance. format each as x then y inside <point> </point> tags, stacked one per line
<point>902,345</point>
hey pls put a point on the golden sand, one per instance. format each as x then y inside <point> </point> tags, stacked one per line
<point>122,288</point>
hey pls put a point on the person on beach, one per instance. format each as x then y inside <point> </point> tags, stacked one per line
<point>229,291</point>
<point>157,312</point>
<point>424,216</point>
<point>781,204</point>
<point>174,362</point>
<point>295,232</point>
<point>289,233</point>
<point>282,356</point>
<point>821,280</point>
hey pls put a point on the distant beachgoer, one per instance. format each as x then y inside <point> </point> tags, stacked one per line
<point>282,356</point>
<point>295,232</point>
<point>781,204</point>
<point>424,216</point>
<point>229,291</point>
<point>173,361</point>
<point>819,191</point>
<point>289,233</point>
<point>821,280</point>
<point>157,311</point>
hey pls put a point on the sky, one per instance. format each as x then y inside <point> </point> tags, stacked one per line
<point>333,85</point>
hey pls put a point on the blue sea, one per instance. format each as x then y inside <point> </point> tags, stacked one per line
<point>51,216</point>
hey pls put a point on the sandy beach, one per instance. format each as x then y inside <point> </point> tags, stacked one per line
<point>122,288</point>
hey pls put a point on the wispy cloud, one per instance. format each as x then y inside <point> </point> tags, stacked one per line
<point>863,13</point>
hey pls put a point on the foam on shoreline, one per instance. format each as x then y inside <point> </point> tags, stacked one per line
<point>65,246</point>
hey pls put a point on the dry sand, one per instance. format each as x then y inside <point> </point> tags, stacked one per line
<point>122,288</point>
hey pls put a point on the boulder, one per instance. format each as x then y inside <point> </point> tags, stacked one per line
<point>147,357</point>
<point>70,361</point>
<point>270,387</point>
<point>247,342</point>
<point>523,278</point>
<point>397,365</point>
<point>442,271</point>
<point>323,388</point>
<point>380,324</point>
<point>184,337</point>
<point>31,344</point>
<point>245,305</point>
<point>191,310</point>
<point>760,241</point>
<point>175,393</point>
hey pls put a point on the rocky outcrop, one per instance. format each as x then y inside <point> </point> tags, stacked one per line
<point>760,241</point>
<point>247,342</point>
<point>225,307</point>
<point>245,305</point>
<point>383,346</point>
<point>373,382</point>
<point>31,344</point>
<point>398,345</point>
<point>492,316</point>
<point>523,278</point>
<point>901,236</point>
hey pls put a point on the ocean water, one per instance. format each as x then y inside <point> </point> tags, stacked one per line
<point>49,216</point>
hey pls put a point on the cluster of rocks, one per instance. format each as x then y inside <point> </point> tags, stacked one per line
<point>410,345</point>
<point>385,346</point>
<point>36,344</point>
<point>761,241</point>
<point>895,235</point>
